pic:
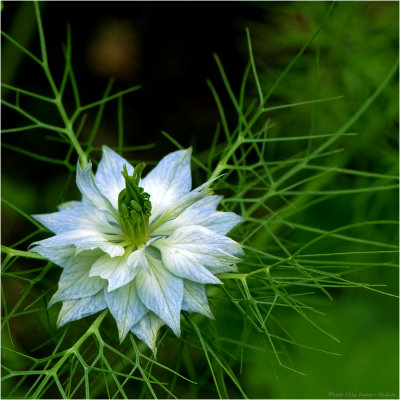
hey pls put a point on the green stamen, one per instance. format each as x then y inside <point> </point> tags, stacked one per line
<point>134,207</point>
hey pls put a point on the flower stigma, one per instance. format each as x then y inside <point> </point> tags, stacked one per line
<point>134,208</point>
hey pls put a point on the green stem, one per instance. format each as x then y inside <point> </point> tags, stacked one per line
<point>93,330</point>
<point>69,131</point>
<point>20,253</point>
<point>222,165</point>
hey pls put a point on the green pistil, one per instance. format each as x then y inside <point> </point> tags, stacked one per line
<point>134,207</point>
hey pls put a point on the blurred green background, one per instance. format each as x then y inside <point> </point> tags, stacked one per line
<point>167,48</point>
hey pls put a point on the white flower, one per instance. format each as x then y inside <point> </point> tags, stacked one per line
<point>143,248</point>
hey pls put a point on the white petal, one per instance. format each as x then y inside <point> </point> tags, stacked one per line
<point>72,310</point>
<point>108,175</point>
<point>199,245</point>
<point>99,242</point>
<point>69,204</point>
<point>83,240</point>
<point>217,221</point>
<point>161,292</point>
<point>147,330</point>
<point>210,202</point>
<point>204,240</point>
<point>89,190</point>
<point>219,268</point>
<point>126,307</point>
<point>139,257</point>
<point>119,271</point>
<point>222,222</point>
<point>57,255</point>
<point>173,210</point>
<point>75,282</point>
<point>182,263</point>
<point>168,181</point>
<point>195,298</point>
<point>80,217</point>
<point>176,207</point>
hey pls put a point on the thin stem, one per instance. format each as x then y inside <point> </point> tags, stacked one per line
<point>93,330</point>
<point>69,131</point>
<point>20,253</point>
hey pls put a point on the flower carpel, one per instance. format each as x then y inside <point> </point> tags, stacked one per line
<point>134,207</point>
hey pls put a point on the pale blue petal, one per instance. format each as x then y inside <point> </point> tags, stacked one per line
<point>57,255</point>
<point>147,330</point>
<point>174,209</point>
<point>126,307</point>
<point>161,292</point>
<point>138,257</point>
<point>221,266</point>
<point>99,242</point>
<point>84,217</point>
<point>89,190</point>
<point>216,261</point>
<point>75,282</point>
<point>168,181</point>
<point>108,177</point>
<point>205,240</point>
<point>119,271</point>
<point>72,310</point>
<point>222,222</point>
<point>195,298</point>
<point>217,221</point>
<point>210,202</point>
<point>83,240</point>
<point>198,245</point>
<point>69,205</point>
<point>182,263</point>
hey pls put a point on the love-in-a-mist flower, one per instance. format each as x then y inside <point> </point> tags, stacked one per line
<point>143,248</point>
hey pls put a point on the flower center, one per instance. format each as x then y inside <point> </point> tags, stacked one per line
<point>134,207</point>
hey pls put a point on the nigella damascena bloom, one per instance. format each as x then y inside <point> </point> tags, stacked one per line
<point>143,248</point>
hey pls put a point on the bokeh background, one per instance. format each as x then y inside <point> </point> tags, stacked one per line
<point>167,48</point>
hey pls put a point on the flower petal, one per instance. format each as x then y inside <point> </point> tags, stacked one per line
<point>195,298</point>
<point>83,240</point>
<point>126,307</point>
<point>89,190</point>
<point>196,245</point>
<point>173,210</point>
<point>75,282</point>
<point>99,242</point>
<point>204,240</point>
<point>69,205</point>
<point>57,255</point>
<point>210,202</point>
<point>182,263</point>
<point>168,181</point>
<point>221,222</point>
<point>119,271</point>
<point>217,221</point>
<point>161,292</point>
<point>83,216</point>
<point>147,330</point>
<point>72,310</point>
<point>108,177</point>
